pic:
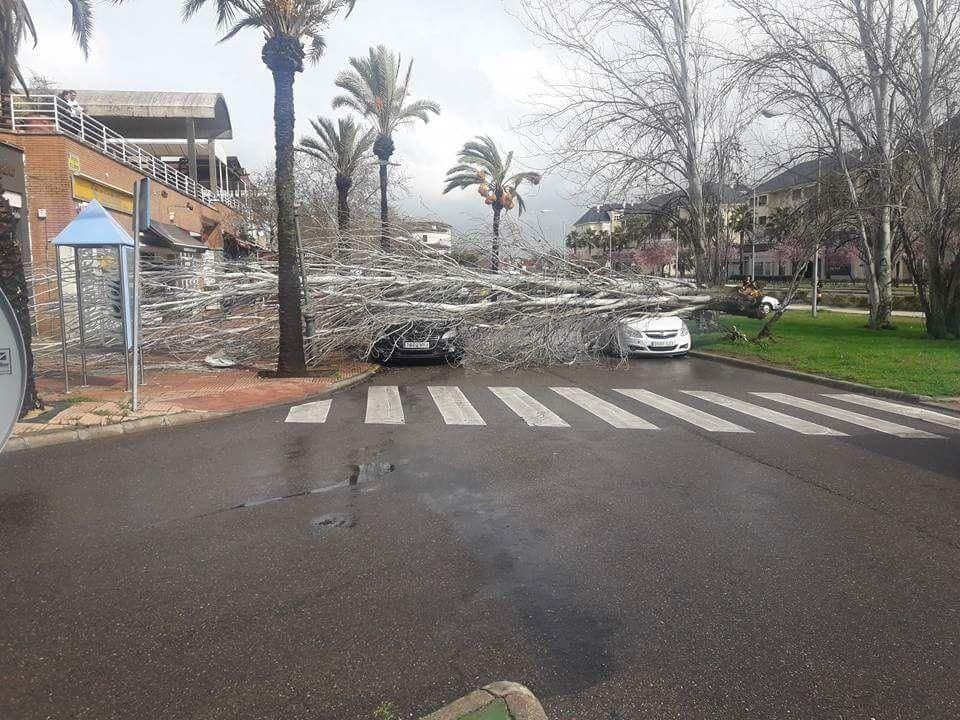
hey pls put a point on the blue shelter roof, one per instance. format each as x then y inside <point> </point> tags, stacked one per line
<point>94,227</point>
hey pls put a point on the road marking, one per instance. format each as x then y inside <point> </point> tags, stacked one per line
<point>454,406</point>
<point>608,412</point>
<point>531,411</point>
<point>847,416</point>
<point>911,411</point>
<point>314,413</point>
<point>383,405</point>
<point>686,413</point>
<point>804,427</point>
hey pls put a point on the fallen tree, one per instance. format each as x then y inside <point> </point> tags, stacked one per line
<point>556,309</point>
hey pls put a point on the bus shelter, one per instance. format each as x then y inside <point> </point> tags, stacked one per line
<point>103,255</point>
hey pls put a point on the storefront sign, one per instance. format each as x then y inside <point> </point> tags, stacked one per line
<point>87,189</point>
<point>13,370</point>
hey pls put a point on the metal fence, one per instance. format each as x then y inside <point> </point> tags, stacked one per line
<point>53,114</point>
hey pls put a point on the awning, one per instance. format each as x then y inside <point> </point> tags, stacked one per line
<point>94,227</point>
<point>172,237</point>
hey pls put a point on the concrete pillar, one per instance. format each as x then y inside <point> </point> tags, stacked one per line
<point>214,170</point>
<point>192,148</point>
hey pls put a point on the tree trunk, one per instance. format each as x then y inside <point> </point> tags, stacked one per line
<point>881,314</point>
<point>13,285</point>
<point>291,360</point>
<point>343,210</point>
<point>495,249</point>
<point>384,209</point>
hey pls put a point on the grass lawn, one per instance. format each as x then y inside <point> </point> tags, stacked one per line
<point>839,346</point>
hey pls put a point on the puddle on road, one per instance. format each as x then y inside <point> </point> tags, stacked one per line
<point>369,472</point>
<point>358,475</point>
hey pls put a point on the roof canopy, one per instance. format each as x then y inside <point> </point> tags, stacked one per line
<point>158,115</point>
<point>94,227</point>
<point>170,236</point>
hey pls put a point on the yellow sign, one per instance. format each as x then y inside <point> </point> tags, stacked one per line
<point>73,162</point>
<point>111,198</point>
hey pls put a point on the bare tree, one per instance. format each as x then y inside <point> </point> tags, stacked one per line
<point>927,79</point>
<point>837,87</point>
<point>640,87</point>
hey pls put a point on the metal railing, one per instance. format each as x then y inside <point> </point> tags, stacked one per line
<point>53,114</point>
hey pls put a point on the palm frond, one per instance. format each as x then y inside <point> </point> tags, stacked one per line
<point>82,21</point>
<point>374,88</point>
<point>304,20</point>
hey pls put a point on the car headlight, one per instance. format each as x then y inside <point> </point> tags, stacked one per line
<point>449,335</point>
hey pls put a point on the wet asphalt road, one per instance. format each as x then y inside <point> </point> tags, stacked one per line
<point>619,573</point>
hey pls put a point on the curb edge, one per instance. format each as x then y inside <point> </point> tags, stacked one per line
<point>810,377</point>
<point>521,703</point>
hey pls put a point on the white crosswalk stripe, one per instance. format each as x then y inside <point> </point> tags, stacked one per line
<point>454,406</point>
<point>847,416</point>
<point>804,427</point>
<point>608,412</point>
<point>384,406</point>
<point>910,411</point>
<point>692,415</point>
<point>314,413</point>
<point>529,410</point>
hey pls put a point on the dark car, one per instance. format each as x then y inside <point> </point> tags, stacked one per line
<point>418,342</point>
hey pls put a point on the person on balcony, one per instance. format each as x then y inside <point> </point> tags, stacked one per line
<point>69,99</point>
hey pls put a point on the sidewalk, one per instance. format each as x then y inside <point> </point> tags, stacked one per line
<point>854,311</point>
<point>169,397</point>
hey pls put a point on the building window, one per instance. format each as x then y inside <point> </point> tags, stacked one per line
<point>797,194</point>
<point>762,201</point>
<point>762,220</point>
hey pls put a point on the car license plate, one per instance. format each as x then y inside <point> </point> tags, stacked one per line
<point>662,343</point>
<point>416,346</point>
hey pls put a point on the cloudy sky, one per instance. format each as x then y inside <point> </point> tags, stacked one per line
<point>475,60</point>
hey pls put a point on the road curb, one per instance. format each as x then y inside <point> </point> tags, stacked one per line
<point>521,703</point>
<point>810,377</point>
<point>190,417</point>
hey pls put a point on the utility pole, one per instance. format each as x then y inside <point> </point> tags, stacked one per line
<point>814,302</point>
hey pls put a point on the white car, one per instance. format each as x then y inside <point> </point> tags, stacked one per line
<point>665,336</point>
<point>767,305</point>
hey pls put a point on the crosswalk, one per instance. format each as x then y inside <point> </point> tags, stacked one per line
<point>638,409</point>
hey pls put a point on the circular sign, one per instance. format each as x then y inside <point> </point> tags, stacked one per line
<point>13,370</point>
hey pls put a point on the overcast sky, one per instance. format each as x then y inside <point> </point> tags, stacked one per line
<point>475,60</point>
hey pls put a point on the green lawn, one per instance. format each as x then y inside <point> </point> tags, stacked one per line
<point>839,346</point>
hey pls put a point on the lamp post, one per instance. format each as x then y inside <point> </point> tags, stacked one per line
<point>753,236</point>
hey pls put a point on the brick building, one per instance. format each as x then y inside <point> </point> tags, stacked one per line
<point>54,158</point>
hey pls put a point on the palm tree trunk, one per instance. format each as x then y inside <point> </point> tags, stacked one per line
<point>495,250</point>
<point>291,360</point>
<point>384,210</point>
<point>343,212</point>
<point>13,285</point>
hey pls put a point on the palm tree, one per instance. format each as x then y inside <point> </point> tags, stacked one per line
<point>375,89</point>
<point>344,150</point>
<point>16,25</point>
<point>286,24</point>
<point>482,164</point>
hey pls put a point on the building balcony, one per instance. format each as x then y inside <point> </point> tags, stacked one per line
<point>51,114</point>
